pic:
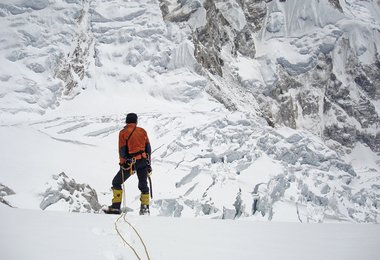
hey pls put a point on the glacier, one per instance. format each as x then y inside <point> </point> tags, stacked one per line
<point>256,110</point>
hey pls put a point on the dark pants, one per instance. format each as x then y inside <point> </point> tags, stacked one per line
<point>142,173</point>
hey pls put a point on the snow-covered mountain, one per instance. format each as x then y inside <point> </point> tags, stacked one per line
<point>255,109</point>
<point>315,63</point>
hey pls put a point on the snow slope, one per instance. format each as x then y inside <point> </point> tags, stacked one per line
<point>30,234</point>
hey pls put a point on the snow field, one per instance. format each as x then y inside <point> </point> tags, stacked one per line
<point>48,235</point>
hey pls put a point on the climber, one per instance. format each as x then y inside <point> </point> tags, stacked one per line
<point>134,156</point>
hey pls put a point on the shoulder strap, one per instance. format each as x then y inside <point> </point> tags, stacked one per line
<point>131,134</point>
<point>126,143</point>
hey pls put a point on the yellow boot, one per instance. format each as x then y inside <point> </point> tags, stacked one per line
<point>116,202</point>
<point>117,197</point>
<point>144,208</point>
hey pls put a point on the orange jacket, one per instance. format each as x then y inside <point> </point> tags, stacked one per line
<point>138,145</point>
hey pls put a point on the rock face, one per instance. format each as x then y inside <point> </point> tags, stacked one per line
<point>327,82</point>
<point>208,40</point>
<point>218,31</point>
<point>65,193</point>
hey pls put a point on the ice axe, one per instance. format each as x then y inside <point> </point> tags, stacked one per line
<point>150,185</point>
<point>149,176</point>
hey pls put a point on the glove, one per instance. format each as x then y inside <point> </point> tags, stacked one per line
<point>149,168</point>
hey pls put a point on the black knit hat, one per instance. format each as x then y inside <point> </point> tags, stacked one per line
<point>131,118</point>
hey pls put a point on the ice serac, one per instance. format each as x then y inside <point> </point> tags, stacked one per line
<point>5,191</point>
<point>63,193</point>
<point>73,68</point>
<point>36,39</point>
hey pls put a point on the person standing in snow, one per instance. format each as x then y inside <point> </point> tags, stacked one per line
<point>134,156</point>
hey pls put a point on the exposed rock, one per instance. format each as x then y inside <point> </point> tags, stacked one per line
<point>164,8</point>
<point>244,43</point>
<point>336,4</point>
<point>208,40</point>
<point>359,107</point>
<point>306,92</point>
<point>255,12</point>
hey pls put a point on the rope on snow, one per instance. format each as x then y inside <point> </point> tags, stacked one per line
<point>123,215</point>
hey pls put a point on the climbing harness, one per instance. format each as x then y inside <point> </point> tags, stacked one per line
<point>123,215</point>
<point>130,163</point>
